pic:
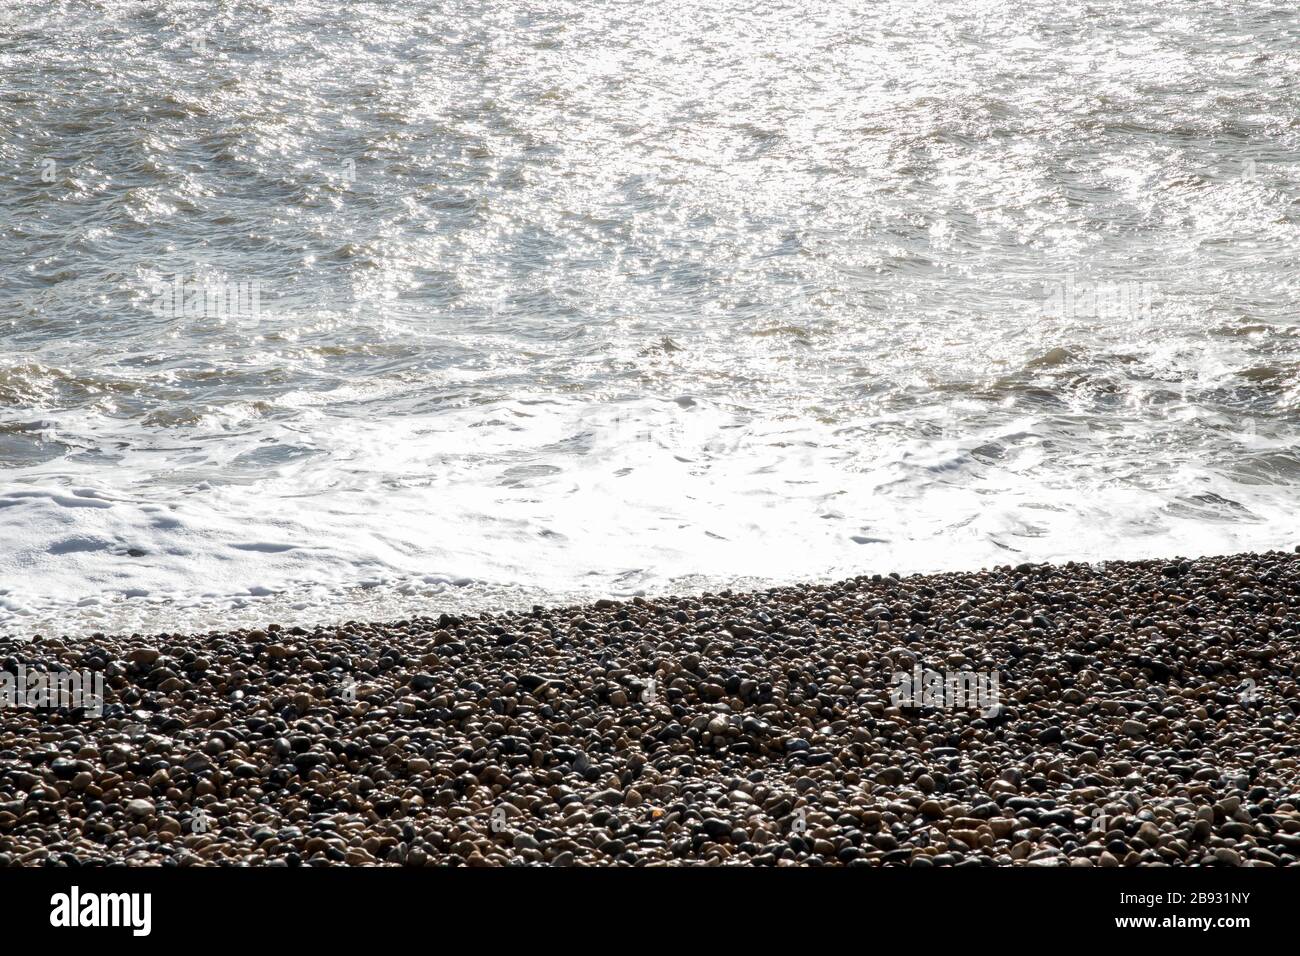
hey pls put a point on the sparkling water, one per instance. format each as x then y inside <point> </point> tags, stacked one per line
<point>318,312</point>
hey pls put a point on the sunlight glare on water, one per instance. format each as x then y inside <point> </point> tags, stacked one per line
<point>572,299</point>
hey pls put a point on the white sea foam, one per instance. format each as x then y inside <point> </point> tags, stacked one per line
<point>408,519</point>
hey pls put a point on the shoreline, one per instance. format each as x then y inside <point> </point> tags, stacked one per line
<point>1136,713</point>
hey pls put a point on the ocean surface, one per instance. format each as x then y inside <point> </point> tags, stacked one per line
<point>314,312</point>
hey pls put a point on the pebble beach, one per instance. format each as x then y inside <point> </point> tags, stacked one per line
<point>1141,714</point>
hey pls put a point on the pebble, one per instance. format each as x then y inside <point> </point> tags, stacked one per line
<point>1122,733</point>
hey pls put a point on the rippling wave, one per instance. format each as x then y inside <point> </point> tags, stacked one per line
<point>483,304</point>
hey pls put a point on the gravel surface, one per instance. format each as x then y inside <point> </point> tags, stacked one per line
<point>1128,713</point>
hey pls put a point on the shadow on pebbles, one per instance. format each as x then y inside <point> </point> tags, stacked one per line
<point>1131,713</point>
